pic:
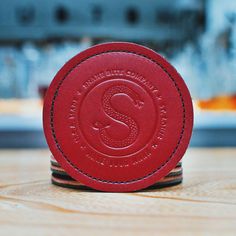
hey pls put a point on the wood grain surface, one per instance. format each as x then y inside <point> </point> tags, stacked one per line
<point>205,204</point>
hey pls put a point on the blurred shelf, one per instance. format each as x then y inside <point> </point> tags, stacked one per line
<point>21,126</point>
<point>214,128</point>
<point>21,132</point>
<point>136,20</point>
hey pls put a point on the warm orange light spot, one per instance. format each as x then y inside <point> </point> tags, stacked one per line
<point>219,103</point>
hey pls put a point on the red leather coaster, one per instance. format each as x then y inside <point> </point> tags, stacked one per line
<point>118,117</point>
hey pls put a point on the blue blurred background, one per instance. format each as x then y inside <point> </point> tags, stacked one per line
<point>197,36</point>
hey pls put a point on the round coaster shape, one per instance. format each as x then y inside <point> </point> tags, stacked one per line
<point>118,117</point>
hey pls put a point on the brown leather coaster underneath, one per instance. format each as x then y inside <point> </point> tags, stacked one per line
<point>61,178</point>
<point>68,182</point>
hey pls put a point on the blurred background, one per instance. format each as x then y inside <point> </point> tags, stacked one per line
<point>197,36</point>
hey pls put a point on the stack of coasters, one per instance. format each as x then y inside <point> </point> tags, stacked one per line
<point>61,178</point>
<point>117,117</point>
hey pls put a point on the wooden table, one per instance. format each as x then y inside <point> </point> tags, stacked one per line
<point>204,204</point>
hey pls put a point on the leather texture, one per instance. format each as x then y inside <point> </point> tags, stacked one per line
<point>118,117</point>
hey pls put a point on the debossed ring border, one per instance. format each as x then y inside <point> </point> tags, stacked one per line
<point>52,118</point>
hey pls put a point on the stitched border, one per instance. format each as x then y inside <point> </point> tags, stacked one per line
<point>52,117</point>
